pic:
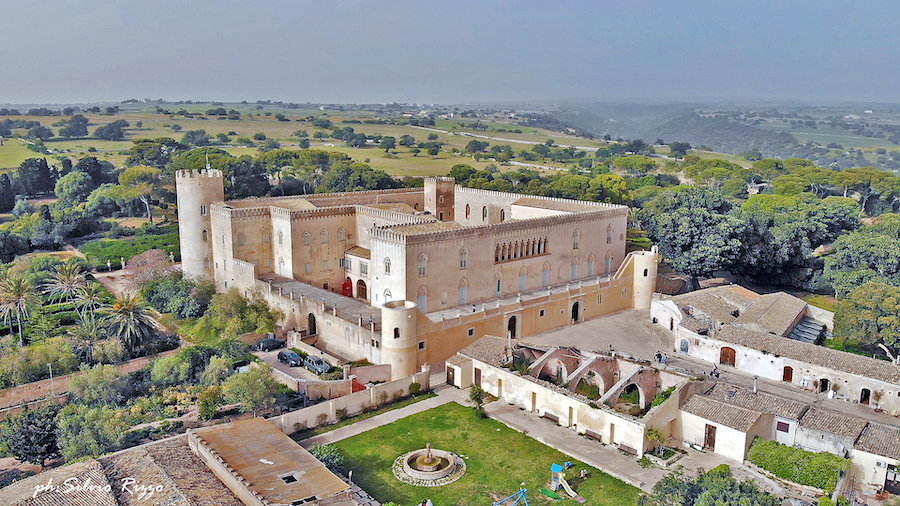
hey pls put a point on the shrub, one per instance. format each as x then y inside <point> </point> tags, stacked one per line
<point>321,418</point>
<point>414,388</point>
<point>341,414</point>
<point>820,470</point>
<point>329,455</point>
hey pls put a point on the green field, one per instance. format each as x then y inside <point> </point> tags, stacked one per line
<point>497,460</point>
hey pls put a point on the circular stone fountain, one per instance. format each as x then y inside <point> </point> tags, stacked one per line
<point>428,467</point>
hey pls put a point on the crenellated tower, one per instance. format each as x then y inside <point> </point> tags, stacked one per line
<point>195,190</point>
<point>439,197</point>
<point>398,337</point>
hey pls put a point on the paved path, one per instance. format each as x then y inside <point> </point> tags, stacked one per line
<point>445,394</point>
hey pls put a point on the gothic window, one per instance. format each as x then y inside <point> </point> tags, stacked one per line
<point>467,211</point>
<point>463,258</point>
<point>241,239</point>
<point>502,214</point>
<point>423,264</point>
<point>483,213</point>
<point>305,238</point>
<point>609,231</point>
<point>387,266</point>
<point>206,262</point>
<point>324,237</point>
<point>205,236</point>
<point>575,239</point>
<point>265,237</point>
<point>280,238</point>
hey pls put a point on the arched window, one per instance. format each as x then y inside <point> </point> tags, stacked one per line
<point>467,211</point>
<point>387,266</point>
<point>483,213</point>
<point>387,295</point>
<point>324,237</point>
<point>305,238</point>
<point>280,238</point>
<point>463,258</point>
<point>609,231</point>
<point>223,238</point>
<point>206,263</point>
<point>423,264</point>
<point>607,263</point>
<point>241,239</point>
<point>396,332</point>
<point>266,237</point>
<point>575,268</point>
<point>205,236</point>
<point>441,199</point>
<point>463,289</point>
<point>591,265</point>
<point>575,239</point>
<point>502,214</point>
<point>342,235</point>
<point>281,266</point>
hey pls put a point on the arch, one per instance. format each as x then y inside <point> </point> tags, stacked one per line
<point>205,235</point>
<point>502,214</point>
<point>463,258</point>
<point>342,235</point>
<point>511,327</point>
<point>576,308</point>
<point>727,356</point>
<point>576,239</point>
<point>467,211</point>
<point>324,237</point>
<point>824,385</point>
<point>591,265</point>
<point>558,369</point>
<point>223,238</point>
<point>361,292</point>
<point>574,267</point>
<point>396,332</point>
<point>266,236</point>
<point>545,274</point>
<point>416,206</point>
<point>441,199</point>
<point>311,324</point>
<point>497,253</point>
<point>609,232</point>
<point>241,239</point>
<point>607,262</point>
<point>206,264</point>
<point>387,295</point>
<point>483,213</point>
<point>788,374</point>
<point>423,264</point>
<point>387,266</point>
<point>463,291</point>
<point>629,391</point>
<point>280,266</point>
<point>422,298</point>
<point>865,395</point>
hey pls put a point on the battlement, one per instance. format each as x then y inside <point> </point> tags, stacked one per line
<point>195,174</point>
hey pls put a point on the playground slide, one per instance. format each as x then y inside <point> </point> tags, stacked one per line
<point>568,489</point>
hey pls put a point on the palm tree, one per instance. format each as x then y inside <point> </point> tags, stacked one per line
<point>17,297</point>
<point>130,319</point>
<point>65,282</point>
<point>89,297</point>
<point>83,335</point>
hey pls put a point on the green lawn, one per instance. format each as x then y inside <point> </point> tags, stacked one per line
<point>497,458</point>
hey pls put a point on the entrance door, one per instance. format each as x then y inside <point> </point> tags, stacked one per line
<point>612,433</point>
<point>575,314</point>
<point>361,292</point>
<point>478,376</point>
<point>892,480</point>
<point>864,396</point>
<point>726,356</point>
<point>533,402</point>
<point>451,376</point>
<point>311,324</point>
<point>788,374</point>
<point>823,385</point>
<point>709,441</point>
<point>511,328</point>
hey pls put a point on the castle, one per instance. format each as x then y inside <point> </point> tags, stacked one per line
<point>410,276</point>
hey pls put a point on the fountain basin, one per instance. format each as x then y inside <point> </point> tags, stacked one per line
<point>416,465</point>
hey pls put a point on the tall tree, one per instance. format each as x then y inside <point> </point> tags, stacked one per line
<point>7,194</point>
<point>30,436</point>
<point>17,298</point>
<point>65,282</point>
<point>34,176</point>
<point>131,320</point>
<point>255,389</point>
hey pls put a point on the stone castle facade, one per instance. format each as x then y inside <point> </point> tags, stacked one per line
<point>410,276</point>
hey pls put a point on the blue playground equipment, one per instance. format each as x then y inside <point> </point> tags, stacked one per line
<point>518,496</point>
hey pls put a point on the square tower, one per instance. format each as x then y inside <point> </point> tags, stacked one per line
<point>439,197</point>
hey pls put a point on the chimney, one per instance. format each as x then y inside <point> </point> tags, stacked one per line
<point>754,383</point>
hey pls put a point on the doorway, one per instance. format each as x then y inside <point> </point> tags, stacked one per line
<point>864,396</point>
<point>788,374</point>
<point>726,356</point>
<point>361,290</point>
<point>311,324</point>
<point>451,376</point>
<point>511,328</point>
<point>709,442</point>
<point>823,385</point>
<point>575,308</point>
<point>478,376</point>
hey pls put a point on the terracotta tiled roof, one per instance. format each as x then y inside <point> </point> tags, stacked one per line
<point>424,228</point>
<point>810,353</point>
<point>760,401</point>
<point>489,349</point>
<point>880,439</point>
<point>458,361</point>
<point>22,493</point>
<point>359,251</point>
<point>775,312</point>
<point>722,413</point>
<point>832,422</point>
<point>709,304</point>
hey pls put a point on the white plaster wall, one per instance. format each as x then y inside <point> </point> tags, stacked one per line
<point>864,466</point>
<point>730,443</point>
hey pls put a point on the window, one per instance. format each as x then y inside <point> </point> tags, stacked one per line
<point>590,267</point>
<point>609,231</point>
<point>281,266</point>
<point>542,312</point>
<point>324,237</point>
<point>223,238</point>
<point>342,235</point>
<point>574,270</point>
<point>783,427</point>
<point>205,236</point>
<point>521,282</point>
<point>307,268</point>
<point>349,264</point>
<point>344,262</point>
<point>255,263</point>
<point>266,237</point>
<point>387,295</point>
<point>268,262</point>
<point>471,332</point>
<point>545,277</point>
<point>645,273</point>
<point>241,239</point>
<point>387,266</point>
<point>467,211</point>
<point>462,294</point>
<point>599,298</point>
<point>441,199</point>
<point>202,210</point>
<point>463,258</point>
<point>324,265</point>
<point>280,238</point>
<point>305,238</point>
<point>624,292</point>
<point>396,332</point>
<point>421,345</point>
<point>497,288</point>
<point>483,213</point>
<point>423,264</point>
<point>206,263</point>
<point>575,239</point>
<point>502,214</point>
<point>363,268</point>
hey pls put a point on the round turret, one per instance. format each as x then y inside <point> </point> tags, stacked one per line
<point>645,266</point>
<point>398,337</point>
<point>195,191</point>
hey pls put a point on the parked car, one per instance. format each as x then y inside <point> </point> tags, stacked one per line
<point>290,358</point>
<point>316,365</point>
<point>269,344</point>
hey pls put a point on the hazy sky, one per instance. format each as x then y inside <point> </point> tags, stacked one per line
<point>449,52</point>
